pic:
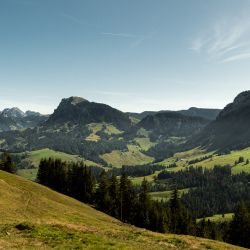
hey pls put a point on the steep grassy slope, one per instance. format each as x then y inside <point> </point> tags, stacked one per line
<point>35,217</point>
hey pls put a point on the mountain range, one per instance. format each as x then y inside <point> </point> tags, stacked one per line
<point>209,114</point>
<point>97,131</point>
<point>14,118</point>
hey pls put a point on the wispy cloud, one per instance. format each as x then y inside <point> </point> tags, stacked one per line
<point>77,20</point>
<point>124,35</point>
<point>226,41</point>
<point>242,56</point>
<point>136,40</point>
<point>72,18</point>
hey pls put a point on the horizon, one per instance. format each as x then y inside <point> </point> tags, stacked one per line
<point>134,56</point>
<point>26,110</point>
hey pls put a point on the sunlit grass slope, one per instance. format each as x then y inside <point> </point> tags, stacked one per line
<point>109,129</point>
<point>182,159</point>
<point>35,217</point>
<point>35,157</point>
<point>130,157</point>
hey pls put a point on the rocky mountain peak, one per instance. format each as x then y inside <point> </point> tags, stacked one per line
<point>240,102</point>
<point>13,113</point>
<point>73,100</point>
<point>242,98</point>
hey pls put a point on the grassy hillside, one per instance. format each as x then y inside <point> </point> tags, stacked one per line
<point>109,129</point>
<point>133,156</point>
<point>182,159</point>
<point>35,217</point>
<point>144,143</point>
<point>34,157</point>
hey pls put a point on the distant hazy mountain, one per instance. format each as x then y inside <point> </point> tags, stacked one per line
<point>142,115</point>
<point>168,127</point>
<point>231,129</point>
<point>14,118</point>
<point>209,114</point>
<point>14,113</point>
<point>77,110</point>
<point>173,124</point>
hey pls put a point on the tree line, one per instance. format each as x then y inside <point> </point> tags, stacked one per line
<point>211,191</point>
<point>118,197</point>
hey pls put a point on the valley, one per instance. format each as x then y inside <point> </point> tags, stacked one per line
<point>163,148</point>
<point>124,125</point>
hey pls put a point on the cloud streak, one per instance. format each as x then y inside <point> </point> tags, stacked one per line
<point>136,40</point>
<point>123,35</point>
<point>226,41</point>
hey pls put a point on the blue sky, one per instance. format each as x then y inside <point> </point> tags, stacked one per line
<point>134,55</point>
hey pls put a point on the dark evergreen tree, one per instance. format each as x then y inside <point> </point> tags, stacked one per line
<point>144,205</point>
<point>239,230</point>
<point>181,220</point>
<point>42,174</point>
<point>7,164</point>
<point>103,199</point>
<point>127,197</point>
<point>114,197</point>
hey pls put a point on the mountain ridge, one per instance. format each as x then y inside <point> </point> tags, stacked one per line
<point>230,130</point>
<point>207,113</point>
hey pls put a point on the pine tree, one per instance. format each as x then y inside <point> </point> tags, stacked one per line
<point>144,205</point>
<point>181,221</point>
<point>42,172</point>
<point>239,230</point>
<point>114,197</point>
<point>103,199</point>
<point>7,163</point>
<point>127,197</point>
<point>89,184</point>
